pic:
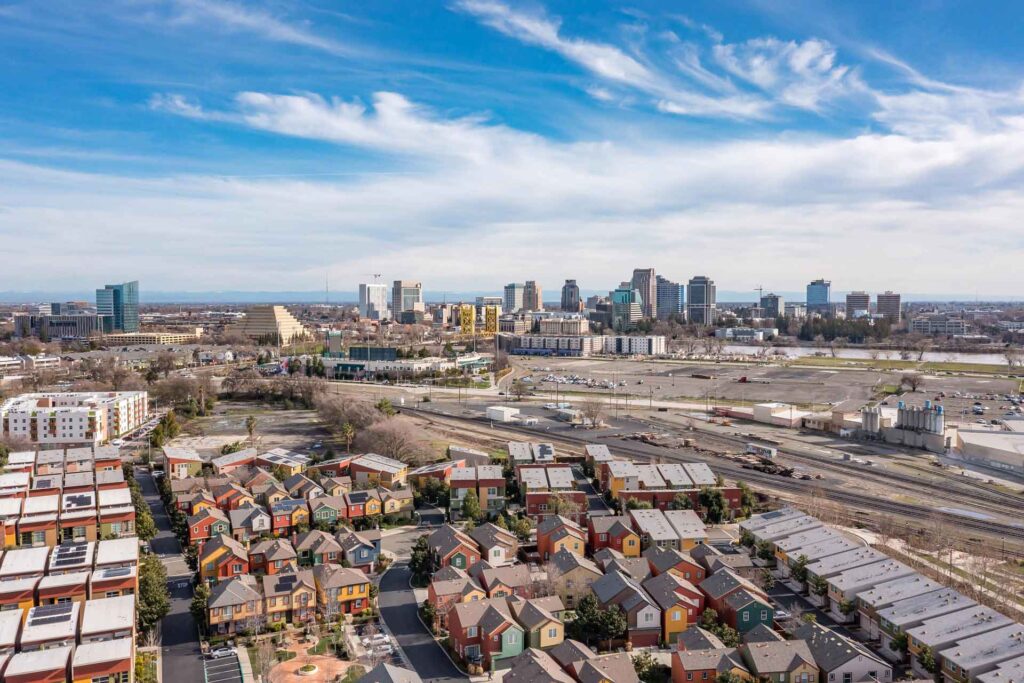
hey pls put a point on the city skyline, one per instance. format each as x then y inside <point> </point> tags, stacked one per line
<point>751,143</point>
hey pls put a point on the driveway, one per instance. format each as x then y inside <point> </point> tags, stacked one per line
<point>431,516</point>
<point>180,651</point>
<point>398,610</point>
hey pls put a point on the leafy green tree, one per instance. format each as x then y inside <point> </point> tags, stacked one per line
<point>611,624</point>
<point>521,527</point>
<point>200,604</point>
<point>709,619</point>
<point>819,585</point>
<point>729,636</point>
<point>471,506</point>
<point>926,658</point>
<point>634,504</point>
<point>714,504</point>
<point>901,643</point>
<point>648,669</point>
<point>765,551</point>
<point>728,677</point>
<point>154,601</point>
<point>384,406</point>
<point>419,560</point>
<point>681,501</point>
<point>746,539</point>
<point>767,579</point>
<point>799,569</point>
<point>500,522</point>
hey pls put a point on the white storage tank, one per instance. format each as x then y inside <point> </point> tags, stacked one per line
<point>502,413</point>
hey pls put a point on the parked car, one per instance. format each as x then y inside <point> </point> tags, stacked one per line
<point>221,652</point>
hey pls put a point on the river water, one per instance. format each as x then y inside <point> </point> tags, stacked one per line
<point>932,356</point>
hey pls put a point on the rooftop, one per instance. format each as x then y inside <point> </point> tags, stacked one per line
<point>104,615</point>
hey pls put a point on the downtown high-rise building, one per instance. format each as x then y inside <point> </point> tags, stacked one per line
<point>373,301</point>
<point>889,305</point>
<point>819,297</point>
<point>406,295</point>
<point>701,306</point>
<point>671,298</point>
<point>533,297</point>
<point>645,282</point>
<point>571,297</point>
<point>773,306</point>
<point>858,304</point>
<point>513,300</point>
<point>120,303</point>
<point>627,310</point>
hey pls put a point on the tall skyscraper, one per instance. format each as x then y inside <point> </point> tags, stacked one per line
<point>571,297</point>
<point>645,282</point>
<point>626,308</point>
<point>889,305</point>
<point>513,297</point>
<point>121,303</point>
<point>701,306</point>
<point>773,306</point>
<point>373,301</point>
<point>533,298</point>
<point>671,298</point>
<point>857,304</point>
<point>406,295</point>
<point>819,296</point>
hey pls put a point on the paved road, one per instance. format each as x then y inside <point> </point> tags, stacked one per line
<point>180,651</point>
<point>398,609</point>
<point>431,516</point>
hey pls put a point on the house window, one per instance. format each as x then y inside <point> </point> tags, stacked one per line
<point>675,616</point>
<point>236,568</point>
<point>847,677</point>
<point>603,537</point>
<point>764,615</point>
<point>704,675</point>
<point>631,542</point>
<point>746,616</point>
<point>471,632</point>
<point>512,638</point>
<point>689,675</point>
<point>873,674</point>
<point>552,633</point>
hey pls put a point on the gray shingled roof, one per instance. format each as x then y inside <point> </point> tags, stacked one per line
<point>777,656</point>
<point>829,649</point>
<point>535,666</point>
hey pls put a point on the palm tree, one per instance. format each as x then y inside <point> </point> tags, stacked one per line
<point>348,432</point>
<point>250,427</point>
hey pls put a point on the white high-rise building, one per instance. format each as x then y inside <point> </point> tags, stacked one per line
<point>373,301</point>
<point>513,297</point>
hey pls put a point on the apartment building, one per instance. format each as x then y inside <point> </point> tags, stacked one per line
<point>73,419</point>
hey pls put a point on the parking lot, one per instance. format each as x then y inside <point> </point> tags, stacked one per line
<point>223,670</point>
<point>666,380</point>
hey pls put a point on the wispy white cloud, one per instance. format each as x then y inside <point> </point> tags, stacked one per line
<point>245,17</point>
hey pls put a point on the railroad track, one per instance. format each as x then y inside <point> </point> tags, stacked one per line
<point>977,495</point>
<point>971,490</point>
<point>1012,536</point>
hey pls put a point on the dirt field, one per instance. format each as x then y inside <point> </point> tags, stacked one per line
<point>296,430</point>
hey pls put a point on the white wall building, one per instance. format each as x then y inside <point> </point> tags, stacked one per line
<point>87,418</point>
<point>373,301</point>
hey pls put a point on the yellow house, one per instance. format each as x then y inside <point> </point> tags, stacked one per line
<point>622,475</point>
<point>289,598</point>
<point>631,545</point>
<point>235,606</point>
<point>341,590</point>
<point>680,602</point>
<point>396,502</point>
<point>372,507</point>
<point>541,626</point>
<point>300,515</point>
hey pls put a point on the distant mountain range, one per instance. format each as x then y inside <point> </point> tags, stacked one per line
<point>286,297</point>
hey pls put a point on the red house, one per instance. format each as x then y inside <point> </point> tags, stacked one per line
<point>223,558</point>
<point>613,532</point>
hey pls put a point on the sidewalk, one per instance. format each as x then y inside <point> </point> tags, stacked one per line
<point>244,665</point>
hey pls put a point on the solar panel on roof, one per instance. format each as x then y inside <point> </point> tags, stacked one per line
<point>118,571</point>
<point>51,620</point>
<point>50,610</point>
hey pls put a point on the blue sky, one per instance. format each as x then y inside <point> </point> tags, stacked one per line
<point>206,144</point>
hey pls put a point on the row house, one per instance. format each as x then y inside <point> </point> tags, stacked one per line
<point>449,586</point>
<point>497,546</point>
<point>360,549</point>
<point>364,503</point>
<point>229,462</point>
<point>231,497</point>
<point>290,598</point>
<point>894,621</point>
<point>841,658</point>
<point>540,619</point>
<point>248,523</point>
<point>505,581</point>
<point>223,558</point>
<point>441,471</point>
<point>341,590</point>
<point>288,461</point>
<point>379,471</point>
<point>208,523</point>
<point>662,560</point>
<point>301,486</point>
<point>739,603</point>
<point>334,467</point>
<point>556,533</point>
<point>643,616</point>
<point>485,632</point>
<point>287,514</point>
<point>615,532</point>
<point>982,655</point>
<point>235,606</point>
<point>571,575</point>
<point>784,661</point>
<point>110,582</point>
<point>181,462</point>
<point>396,501</point>
<point>336,486</point>
<point>681,603</point>
<point>70,587</point>
<point>452,547</point>
<point>273,556</point>
<point>107,660</point>
<point>327,510</point>
<point>317,547</point>
<point>709,664</point>
<point>941,633</point>
<point>487,482</point>
<point>843,588</point>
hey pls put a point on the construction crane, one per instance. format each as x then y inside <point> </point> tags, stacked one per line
<point>375,276</point>
<point>760,293</point>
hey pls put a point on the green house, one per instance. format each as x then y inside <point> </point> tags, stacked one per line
<point>744,611</point>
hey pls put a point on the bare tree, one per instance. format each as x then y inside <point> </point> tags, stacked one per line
<point>396,438</point>
<point>593,408</point>
<point>265,659</point>
<point>912,381</point>
<point>1012,356</point>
